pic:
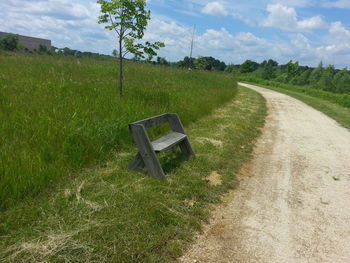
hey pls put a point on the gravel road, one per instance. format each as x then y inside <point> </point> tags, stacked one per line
<point>293,200</point>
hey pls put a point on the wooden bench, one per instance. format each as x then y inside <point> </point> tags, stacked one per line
<point>147,155</point>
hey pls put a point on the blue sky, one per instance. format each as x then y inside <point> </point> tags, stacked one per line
<point>307,31</point>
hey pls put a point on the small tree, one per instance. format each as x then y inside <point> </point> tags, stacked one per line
<point>248,66</point>
<point>42,49</point>
<point>115,53</point>
<point>268,72</point>
<point>162,61</point>
<point>129,19</point>
<point>342,81</point>
<point>293,70</point>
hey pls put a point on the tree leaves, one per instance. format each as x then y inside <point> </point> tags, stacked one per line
<point>129,19</point>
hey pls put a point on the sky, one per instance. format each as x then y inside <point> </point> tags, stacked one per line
<point>308,31</point>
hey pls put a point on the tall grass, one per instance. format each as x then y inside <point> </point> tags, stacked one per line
<point>58,115</point>
<point>340,99</point>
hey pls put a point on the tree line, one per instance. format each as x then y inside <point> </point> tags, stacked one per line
<point>326,78</point>
<point>200,63</point>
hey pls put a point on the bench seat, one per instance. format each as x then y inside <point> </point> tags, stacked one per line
<point>168,141</point>
<point>147,155</point>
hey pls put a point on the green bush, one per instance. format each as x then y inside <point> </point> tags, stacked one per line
<point>10,42</point>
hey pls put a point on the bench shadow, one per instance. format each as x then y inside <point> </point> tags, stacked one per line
<point>171,160</point>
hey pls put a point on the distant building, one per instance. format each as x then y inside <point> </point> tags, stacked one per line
<point>31,43</point>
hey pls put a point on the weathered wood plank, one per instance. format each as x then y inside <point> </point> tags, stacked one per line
<point>168,141</point>
<point>137,164</point>
<point>176,125</point>
<point>147,152</point>
<point>152,122</point>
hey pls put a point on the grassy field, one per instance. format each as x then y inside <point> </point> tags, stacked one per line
<point>60,114</point>
<point>108,214</point>
<point>336,106</point>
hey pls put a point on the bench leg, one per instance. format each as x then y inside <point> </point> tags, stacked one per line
<point>177,126</point>
<point>147,153</point>
<point>137,164</point>
<point>153,165</point>
<point>186,148</point>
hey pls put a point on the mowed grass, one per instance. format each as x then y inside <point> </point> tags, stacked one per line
<point>60,114</point>
<point>109,214</point>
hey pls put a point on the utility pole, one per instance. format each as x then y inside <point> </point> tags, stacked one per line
<point>192,44</point>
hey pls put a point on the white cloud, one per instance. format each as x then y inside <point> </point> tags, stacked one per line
<point>214,9</point>
<point>339,32</point>
<point>301,42</point>
<point>236,48</point>
<point>280,16</point>
<point>220,44</point>
<point>296,3</point>
<point>215,40</point>
<point>244,19</point>
<point>62,9</point>
<point>335,48</point>
<point>337,4</point>
<point>315,22</point>
<point>285,18</point>
<point>249,39</point>
<point>176,37</point>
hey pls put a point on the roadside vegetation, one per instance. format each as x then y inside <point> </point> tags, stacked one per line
<point>336,106</point>
<point>60,114</point>
<point>109,214</point>
<point>327,89</point>
<point>336,98</point>
<point>320,78</point>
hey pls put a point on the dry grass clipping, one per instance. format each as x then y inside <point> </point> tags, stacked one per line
<point>44,250</point>
<point>214,179</point>
<point>94,206</point>
<point>214,142</point>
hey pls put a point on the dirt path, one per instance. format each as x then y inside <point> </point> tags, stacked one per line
<point>293,202</point>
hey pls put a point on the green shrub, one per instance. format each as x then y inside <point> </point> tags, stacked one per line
<point>10,42</point>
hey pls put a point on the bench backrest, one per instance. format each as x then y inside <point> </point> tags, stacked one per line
<point>171,118</point>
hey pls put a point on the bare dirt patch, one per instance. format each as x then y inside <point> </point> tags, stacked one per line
<point>246,170</point>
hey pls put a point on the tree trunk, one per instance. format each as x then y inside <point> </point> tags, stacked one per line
<point>120,69</point>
